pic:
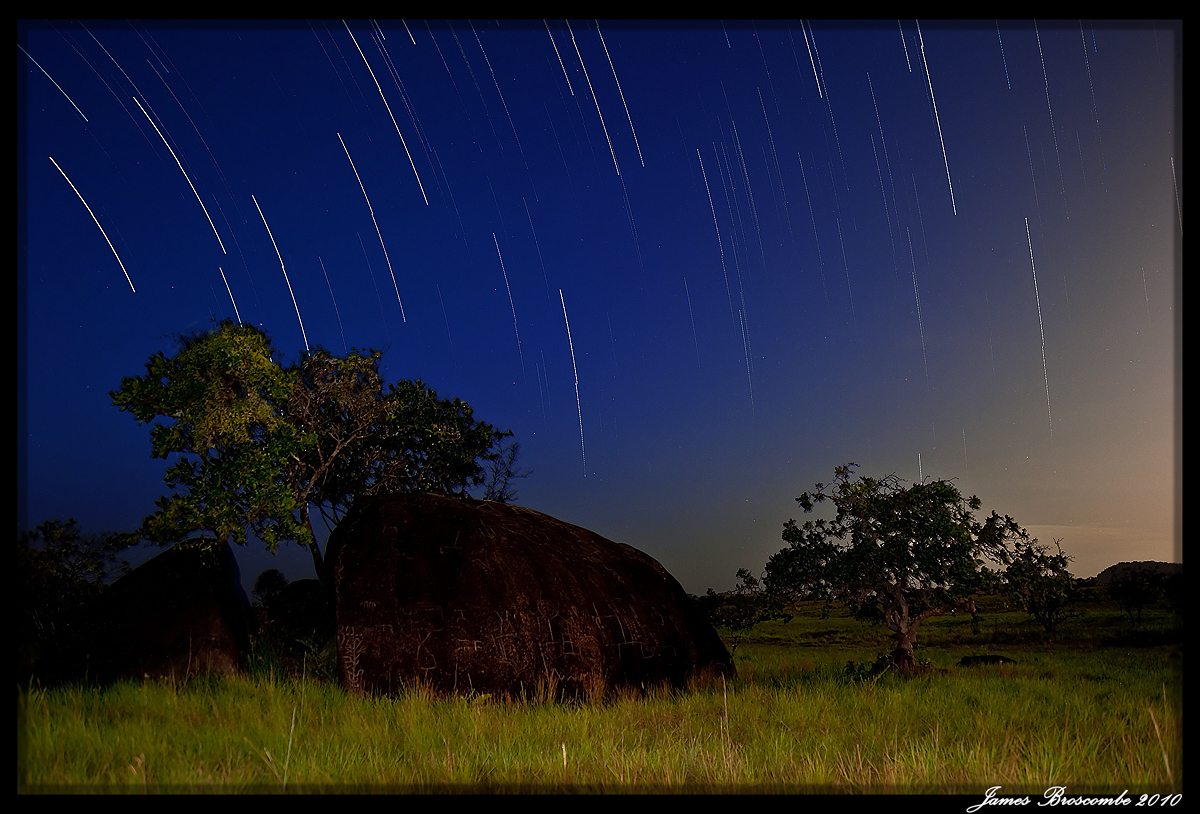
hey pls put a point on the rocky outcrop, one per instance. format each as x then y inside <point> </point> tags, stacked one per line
<point>180,614</point>
<point>1115,572</point>
<point>486,597</point>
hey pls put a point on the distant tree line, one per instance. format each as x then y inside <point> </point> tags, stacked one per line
<point>1134,586</point>
<point>59,571</point>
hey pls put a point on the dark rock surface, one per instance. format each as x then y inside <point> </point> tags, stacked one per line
<point>974,661</point>
<point>180,614</point>
<point>1115,572</point>
<point>486,597</point>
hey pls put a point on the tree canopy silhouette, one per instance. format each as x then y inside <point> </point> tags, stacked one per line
<point>59,571</point>
<point>257,445</point>
<point>894,554</point>
<point>1038,581</point>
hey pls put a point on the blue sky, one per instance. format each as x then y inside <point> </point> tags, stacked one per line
<point>936,249</point>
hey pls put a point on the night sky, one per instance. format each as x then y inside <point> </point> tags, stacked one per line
<point>694,266</point>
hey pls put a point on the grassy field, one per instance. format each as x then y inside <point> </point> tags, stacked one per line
<point>1097,710</point>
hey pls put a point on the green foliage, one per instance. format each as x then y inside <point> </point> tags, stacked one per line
<point>1136,587</point>
<point>365,441</point>
<point>1039,583</point>
<point>224,394</point>
<point>894,554</point>
<point>268,585</point>
<point>742,608</point>
<point>58,572</point>
<point>258,444</point>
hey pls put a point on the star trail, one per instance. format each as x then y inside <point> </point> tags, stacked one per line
<point>704,323</point>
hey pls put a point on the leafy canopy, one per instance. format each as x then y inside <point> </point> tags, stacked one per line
<point>224,396</point>
<point>894,554</point>
<point>365,441</point>
<point>742,608</point>
<point>59,570</point>
<point>1037,581</point>
<point>1135,587</point>
<point>257,444</point>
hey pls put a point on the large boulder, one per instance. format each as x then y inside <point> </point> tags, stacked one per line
<point>478,596</point>
<point>180,614</point>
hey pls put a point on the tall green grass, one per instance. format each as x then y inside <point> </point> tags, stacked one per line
<point>796,719</point>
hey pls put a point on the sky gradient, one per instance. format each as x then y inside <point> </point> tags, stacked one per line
<point>694,266</point>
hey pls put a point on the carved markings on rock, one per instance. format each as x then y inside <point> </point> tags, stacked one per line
<point>488,597</point>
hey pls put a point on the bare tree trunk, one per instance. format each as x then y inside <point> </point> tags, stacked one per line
<point>896,618</point>
<point>318,561</point>
<point>903,656</point>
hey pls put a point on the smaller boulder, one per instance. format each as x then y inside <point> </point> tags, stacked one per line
<point>180,614</point>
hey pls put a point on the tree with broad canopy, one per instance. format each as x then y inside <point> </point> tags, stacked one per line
<point>1038,581</point>
<point>257,444</point>
<point>1135,587</point>
<point>893,554</point>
